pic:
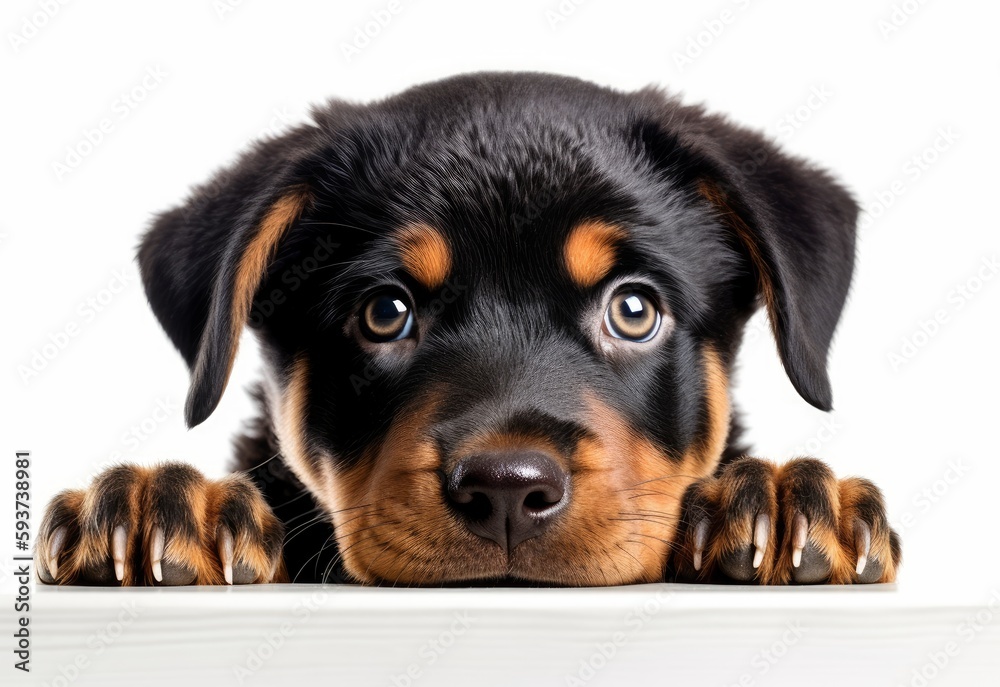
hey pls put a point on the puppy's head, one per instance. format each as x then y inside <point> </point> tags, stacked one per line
<point>499,312</point>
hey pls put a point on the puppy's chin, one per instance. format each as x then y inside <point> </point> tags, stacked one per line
<point>393,525</point>
<point>617,546</point>
<point>535,565</point>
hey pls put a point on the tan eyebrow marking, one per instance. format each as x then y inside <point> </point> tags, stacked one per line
<point>424,253</point>
<point>591,250</point>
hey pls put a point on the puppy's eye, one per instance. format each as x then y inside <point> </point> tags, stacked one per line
<point>632,316</point>
<point>386,317</point>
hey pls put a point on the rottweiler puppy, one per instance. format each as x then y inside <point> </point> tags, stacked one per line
<point>499,315</point>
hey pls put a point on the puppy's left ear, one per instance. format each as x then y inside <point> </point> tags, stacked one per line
<point>202,262</point>
<point>797,227</point>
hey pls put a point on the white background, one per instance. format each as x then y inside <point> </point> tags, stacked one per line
<point>224,75</point>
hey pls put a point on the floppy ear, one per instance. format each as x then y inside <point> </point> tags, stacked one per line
<point>202,262</point>
<point>797,226</point>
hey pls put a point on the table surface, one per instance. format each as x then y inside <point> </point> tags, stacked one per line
<point>644,634</point>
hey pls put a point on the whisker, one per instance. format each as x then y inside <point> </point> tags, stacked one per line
<point>301,515</point>
<point>654,493</point>
<point>660,479</point>
<point>302,528</point>
<point>411,558</point>
<point>371,527</point>
<point>289,536</point>
<point>332,539</point>
<point>361,515</point>
<point>340,557</point>
<point>260,465</point>
<point>614,564</point>
<point>644,517</point>
<point>672,546</point>
<point>305,492</point>
<point>344,510</point>
<point>315,555</point>
<point>374,560</point>
<point>659,513</point>
<point>625,551</point>
<point>342,552</point>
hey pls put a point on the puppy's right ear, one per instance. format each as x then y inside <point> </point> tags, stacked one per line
<point>794,222</point>
<point>202,262</point>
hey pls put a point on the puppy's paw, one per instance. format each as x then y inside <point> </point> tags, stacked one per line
<point>761,523</point>
<point>166,525</point>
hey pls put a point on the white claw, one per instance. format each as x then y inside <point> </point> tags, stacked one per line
<point>800,529</point>
<point>226,553</point>
<point>156,554</point>
<point>118,541</point>
<point>58,537</point>
<point>700,537</point>
<point>760,533</point>
<point>863,543</point>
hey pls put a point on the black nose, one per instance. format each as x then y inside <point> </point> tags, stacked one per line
<point>508,496</point>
